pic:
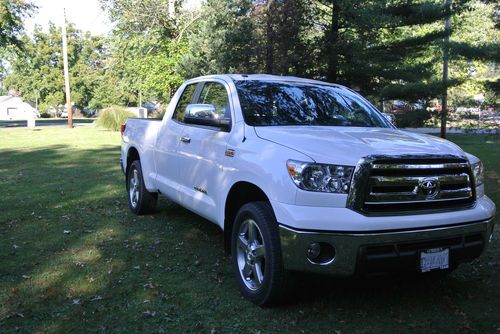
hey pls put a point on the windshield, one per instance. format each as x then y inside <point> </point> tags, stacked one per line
<point>266,103</point>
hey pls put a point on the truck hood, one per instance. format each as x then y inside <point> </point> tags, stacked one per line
<point>347,145</point>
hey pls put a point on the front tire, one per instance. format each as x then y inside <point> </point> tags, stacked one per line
<point>140,200</point>
<point>256,254</point>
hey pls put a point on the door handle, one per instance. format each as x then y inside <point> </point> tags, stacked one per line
<point>185,139</point>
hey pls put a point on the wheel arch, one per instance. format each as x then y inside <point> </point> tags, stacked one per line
<point>132,155</point>
<point>241,193</point>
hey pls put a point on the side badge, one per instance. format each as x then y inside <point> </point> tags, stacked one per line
<point>229,153</point>
<point>201,190</point>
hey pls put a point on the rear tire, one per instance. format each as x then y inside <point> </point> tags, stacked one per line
<point>256,254</point>
<point>140,200</point>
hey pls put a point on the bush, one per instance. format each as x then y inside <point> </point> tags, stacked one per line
<point>112,118</point>
<point>45,115</point>
<point>412,118</point>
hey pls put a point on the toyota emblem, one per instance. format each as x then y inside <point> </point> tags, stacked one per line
<point>429,187</point>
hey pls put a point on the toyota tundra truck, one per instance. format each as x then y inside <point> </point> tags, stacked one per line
<point>304,175</point>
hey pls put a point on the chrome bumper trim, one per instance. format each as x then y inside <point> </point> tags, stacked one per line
<point>294,244</point>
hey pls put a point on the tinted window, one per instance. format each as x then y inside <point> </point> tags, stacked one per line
<point>216,94</point>
<point>185,99</point>
<point>285,103</point>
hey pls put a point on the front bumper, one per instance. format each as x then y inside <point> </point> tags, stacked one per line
<point>385,251</point>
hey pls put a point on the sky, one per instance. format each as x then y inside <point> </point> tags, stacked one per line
<point>87,15</point>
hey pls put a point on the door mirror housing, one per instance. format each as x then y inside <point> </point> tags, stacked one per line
<point>205,114</point>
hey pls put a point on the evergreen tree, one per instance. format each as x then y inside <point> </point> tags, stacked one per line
<point>283,28</point>
<point>223,41</point>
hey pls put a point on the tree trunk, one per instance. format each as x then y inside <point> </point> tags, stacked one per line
<point>171,9</point>
<point>269,40</point>
<point>332,48</point>
<point>446,51</point>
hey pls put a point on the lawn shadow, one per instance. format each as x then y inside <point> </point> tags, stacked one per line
<point>70,248</point>
<point>74,259</point>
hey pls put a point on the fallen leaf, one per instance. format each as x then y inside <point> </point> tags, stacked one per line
<point>149,285</point>
<point>149,313</point>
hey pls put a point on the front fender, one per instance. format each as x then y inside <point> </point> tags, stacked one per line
<point>263,164</point>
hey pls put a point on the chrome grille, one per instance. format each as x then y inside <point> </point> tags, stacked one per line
<point>400,189</point>
<point>416,184</point>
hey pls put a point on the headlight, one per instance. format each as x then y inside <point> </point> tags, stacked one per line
<point>477,169</point>
<point>320,177</point>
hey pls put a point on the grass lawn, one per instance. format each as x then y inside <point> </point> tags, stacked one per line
<point>74,259</point>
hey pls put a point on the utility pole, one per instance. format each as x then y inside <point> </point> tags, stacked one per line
<point>446,54</point>
<point>66,71</point>
<point>171,9</point>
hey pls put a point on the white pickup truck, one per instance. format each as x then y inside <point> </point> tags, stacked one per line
<point>303,175</point>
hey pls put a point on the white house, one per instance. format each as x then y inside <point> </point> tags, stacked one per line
<point>13,107</point>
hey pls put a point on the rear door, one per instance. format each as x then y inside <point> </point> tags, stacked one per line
<point>202,154</point>
<point>167,143</point>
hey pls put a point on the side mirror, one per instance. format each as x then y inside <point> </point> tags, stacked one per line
<point>204,114</point>
<point>201,111</point>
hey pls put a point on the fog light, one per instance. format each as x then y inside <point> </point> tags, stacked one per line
<point>321,253</point>
<point>313,251</point>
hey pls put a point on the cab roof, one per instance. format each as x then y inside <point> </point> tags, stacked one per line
<point>264,77</point>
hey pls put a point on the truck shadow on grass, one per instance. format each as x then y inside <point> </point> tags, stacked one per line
<point>74,259</point>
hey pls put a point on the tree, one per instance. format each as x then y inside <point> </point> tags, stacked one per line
<point>144,50</point>
<point>143,17</point>
<point>37,72</point>
<point>223,40</point>
<point>394,49</point>
<point>12,13</point>
<point>386,49</point>
<point>283,28</point>
<point>475,55</point>
<point>379,47</point>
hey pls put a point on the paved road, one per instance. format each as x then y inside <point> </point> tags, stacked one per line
<point>454,130</point>
<point>46,122</point>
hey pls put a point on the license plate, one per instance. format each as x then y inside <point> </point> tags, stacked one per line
<point>437,258</point>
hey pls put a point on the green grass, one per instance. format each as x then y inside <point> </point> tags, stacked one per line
<point>167,273</point>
